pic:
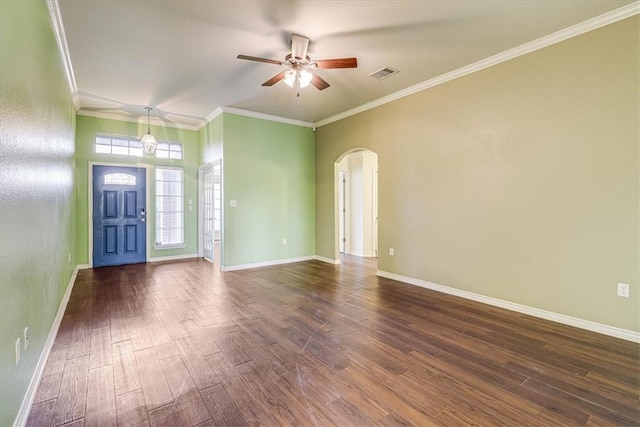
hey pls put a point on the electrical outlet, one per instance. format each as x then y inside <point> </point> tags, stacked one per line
<point>17,350</point>
<point>623,290</point>
<point>391,251</point>
<point>284,241</point>
<point>25,338</point>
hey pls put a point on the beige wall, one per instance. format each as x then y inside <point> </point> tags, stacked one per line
<point>519,182</point>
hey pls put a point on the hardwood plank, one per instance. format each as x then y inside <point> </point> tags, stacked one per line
<point>100,352</point>
<point>41,414</point>
<point>70,404</point>
<point>101,399</point>
<point>348,413</point>
<point>140,337</point>
<point>279,402</point>
<point>125,368</point>
<point>206,342</point>
<point>238,388</point>
<point>56,360</point>
<point>132,410</point>
<point>232,350</point>
<point>118,323</point>
<point>165,416</point>
<point>222,406</point>
<point>188,402</point>
<point>154,385</point>
<point>201,373</point>
<point>101,316</point>
<point>80,343</point>
<point>48,388</point>
<point>65,330</point>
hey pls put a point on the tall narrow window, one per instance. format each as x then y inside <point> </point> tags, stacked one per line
<point>169,207</point>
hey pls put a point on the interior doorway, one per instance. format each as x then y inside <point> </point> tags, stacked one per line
<point>356,204</point>
<point>210,212</point>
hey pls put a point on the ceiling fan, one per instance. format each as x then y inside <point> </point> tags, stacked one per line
<point>299,67</point>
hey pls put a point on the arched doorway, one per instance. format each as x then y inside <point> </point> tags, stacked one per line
<point>356,204</point>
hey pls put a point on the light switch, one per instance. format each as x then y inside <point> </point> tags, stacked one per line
<point>233,203</point>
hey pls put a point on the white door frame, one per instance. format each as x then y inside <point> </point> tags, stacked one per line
<point>201,170</point>
<point>346,215</point>
<point>374,201</point>
<point>201,227</point>
<point>151,216</point>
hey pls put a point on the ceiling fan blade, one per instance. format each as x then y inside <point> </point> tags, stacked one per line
<point>255,58</point>
<point>337,63</point>
<point>319,82</point>
<point>275,79</point>
<point>299,46</point>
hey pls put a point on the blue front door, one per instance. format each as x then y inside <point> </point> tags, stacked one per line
<point>119,215</point>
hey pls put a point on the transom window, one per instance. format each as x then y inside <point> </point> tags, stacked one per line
<point>169,150</point>
<point>124,145</point>
<point>118,144</point>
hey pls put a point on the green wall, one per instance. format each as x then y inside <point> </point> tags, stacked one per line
<point>37,175</point>
<point>211,141</point>
<point>87,127</point>
<point>519,182</point>
<point>269,169</point>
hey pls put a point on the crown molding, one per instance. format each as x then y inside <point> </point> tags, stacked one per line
<point>61,39</point>
<point>154,120</point>
<point>548,40</point>
<point>263,116</point>
<point>218,111</point>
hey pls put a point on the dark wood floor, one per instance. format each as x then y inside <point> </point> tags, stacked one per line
<point>313,344</point>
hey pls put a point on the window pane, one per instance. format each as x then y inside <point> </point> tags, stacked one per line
<point>167,174</point>
<point>169,206</point>
<point>120,142</point>
<point>120,150</point>
<point>175,188</point>
<point>161,154</point>
<point>103,140</point>
<point>136,152</point>
<point>106,149</point>
<point>119,179</point>
<point>176,155</point>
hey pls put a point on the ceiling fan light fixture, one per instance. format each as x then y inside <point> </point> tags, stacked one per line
<point>305,78</point>
<point>148,141</point>
<point>290,77</point>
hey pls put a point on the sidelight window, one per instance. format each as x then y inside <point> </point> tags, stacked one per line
<point>169,207</point>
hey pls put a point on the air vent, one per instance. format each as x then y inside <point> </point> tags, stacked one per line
<point>383,73</point>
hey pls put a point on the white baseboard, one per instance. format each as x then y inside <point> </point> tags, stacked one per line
<point>30,395</point>
<point>82,266</point>
<point>532,311</point>
<point>266,263</point>
<point>172,257</point>
<point>327,260</point>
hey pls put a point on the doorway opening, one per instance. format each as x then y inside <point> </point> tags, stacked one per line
<point>210,212</point>
<point>356,204</point>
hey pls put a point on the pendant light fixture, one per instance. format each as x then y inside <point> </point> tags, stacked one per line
<point>148,141</point>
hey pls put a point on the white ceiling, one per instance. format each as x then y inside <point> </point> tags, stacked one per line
<point>179,57</point>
